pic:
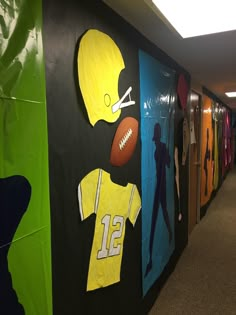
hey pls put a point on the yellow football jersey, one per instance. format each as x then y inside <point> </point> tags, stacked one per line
<point>112,204</point>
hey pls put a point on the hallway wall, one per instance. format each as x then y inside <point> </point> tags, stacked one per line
<point>109,162</point>
<point>77,149</point>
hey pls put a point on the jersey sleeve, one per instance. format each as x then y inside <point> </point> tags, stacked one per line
<point>87,191</point>
<point>134,204</point>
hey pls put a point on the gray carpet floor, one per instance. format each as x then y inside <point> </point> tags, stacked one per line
<point>204,280</point>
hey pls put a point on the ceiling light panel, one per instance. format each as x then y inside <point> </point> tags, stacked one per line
<point>231,94</point>
<point>195,18</point>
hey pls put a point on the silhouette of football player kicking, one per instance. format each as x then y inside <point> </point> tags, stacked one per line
<point>15,192</point>
<point>162,159</point>
<point>206,158</point>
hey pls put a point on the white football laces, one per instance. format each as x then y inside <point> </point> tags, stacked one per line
<point>125,139</point>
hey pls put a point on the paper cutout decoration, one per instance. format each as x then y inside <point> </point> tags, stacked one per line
<point>162,160</point>
<point>176,158</point>
<point>15,193</point>
<point>192,133</point>
<point>113,205</point>
<point>185,140</point>
<point>157,103</point>
<point>225,143</point>
<point>206,158</point>
<point>182,91</point>
<point>24,151</point>
<point>206,151</point>
<point>216,156</point>
<point>228,128</point>
<point>124,141</point>
<point>99,65</point>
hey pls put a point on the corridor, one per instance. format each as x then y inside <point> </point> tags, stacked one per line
<point>204,280</point>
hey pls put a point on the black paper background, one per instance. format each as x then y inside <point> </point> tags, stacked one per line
<point>76,148</point>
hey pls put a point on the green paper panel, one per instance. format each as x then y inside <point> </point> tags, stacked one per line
<point>24,149</point>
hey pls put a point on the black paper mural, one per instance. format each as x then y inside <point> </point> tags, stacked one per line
<point>79,147</point>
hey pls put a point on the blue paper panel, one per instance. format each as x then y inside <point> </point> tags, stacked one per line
<point>157,86</point>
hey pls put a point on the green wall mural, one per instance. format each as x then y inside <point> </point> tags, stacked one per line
<point>26,254</point>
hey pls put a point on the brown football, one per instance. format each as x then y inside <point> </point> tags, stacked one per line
<point>124,141</point>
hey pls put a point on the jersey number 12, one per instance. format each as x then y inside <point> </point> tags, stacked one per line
<point>118,222</point>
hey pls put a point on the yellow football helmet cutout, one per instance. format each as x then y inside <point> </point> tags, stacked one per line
<point>99,65</point>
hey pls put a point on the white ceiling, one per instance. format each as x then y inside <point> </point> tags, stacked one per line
<point>210,59</point>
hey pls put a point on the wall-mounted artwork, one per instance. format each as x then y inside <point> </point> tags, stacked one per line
<point>215,122</point>
<point>157,88</point>
<point>87,138</point>
<point>113,205</point>
<point>124,142</point>
<point>100,63</point>
<point>25,231</point>
<point>207,152</point>
<point>15,194</point>
<point>227,139</point>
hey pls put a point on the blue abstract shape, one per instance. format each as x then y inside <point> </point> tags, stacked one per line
<point>15,192</point>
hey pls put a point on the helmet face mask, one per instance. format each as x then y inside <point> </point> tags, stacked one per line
<point>99,66</point>
<point>120,104</point>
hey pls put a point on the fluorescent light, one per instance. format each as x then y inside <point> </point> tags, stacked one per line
<point>194,18</point>
<point>231,94</point>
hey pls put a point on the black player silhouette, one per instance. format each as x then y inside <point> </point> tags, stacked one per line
<point>15,192</point>
<point>206,158</point>
<point>162,159</point>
